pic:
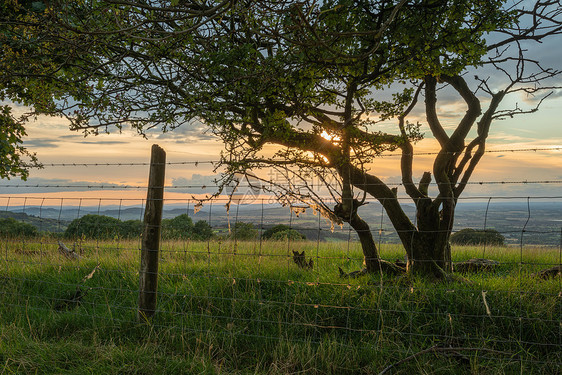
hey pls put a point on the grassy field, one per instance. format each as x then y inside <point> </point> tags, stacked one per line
<point>246,307</point>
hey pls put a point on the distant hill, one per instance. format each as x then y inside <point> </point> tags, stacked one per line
<point>537,223</point>
<point>41,223</point>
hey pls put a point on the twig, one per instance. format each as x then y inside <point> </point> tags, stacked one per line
<point>488,311</point>
<point>74,299</point>
<point>69,254</point>
<point>89,276</point>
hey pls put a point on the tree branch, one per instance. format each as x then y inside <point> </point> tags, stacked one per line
<point>431,112</point>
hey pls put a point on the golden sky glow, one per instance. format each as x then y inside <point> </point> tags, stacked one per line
<point>55,144</point>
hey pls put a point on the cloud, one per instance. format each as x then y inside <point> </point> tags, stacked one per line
<point>41,143</point>
<point>196,184</point>
<point>192,132</point>
<point>547,95</point>
<point>104,142</point>
<point>510,190</point>
<point>248,187</point>
<point>71,136</point>
<point>95,140</point>
<point>503,137</point>
<point>556,94</point>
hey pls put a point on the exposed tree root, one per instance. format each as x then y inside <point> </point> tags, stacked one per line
<point>437,274</point>
<point>383,266</point>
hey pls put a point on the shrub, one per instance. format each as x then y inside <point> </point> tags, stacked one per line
<point>131,228</point>
<point>101,227</point>
<point>202,231</point>
<point>290,234</point>
<point>244,231</point>
<point>470,236</point>
<point>268,233</point>
<point>180,227</point>
<point>10,227</point>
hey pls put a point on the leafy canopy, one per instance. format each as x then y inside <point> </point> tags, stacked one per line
<point>102,227</point>
<point>11,228</point>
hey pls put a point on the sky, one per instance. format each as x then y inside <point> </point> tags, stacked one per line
<point>189,152</point>
<point>190,149</point>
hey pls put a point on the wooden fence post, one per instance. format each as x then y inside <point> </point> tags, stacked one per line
<point>151,235</point>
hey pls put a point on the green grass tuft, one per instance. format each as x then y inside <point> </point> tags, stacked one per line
<point>245,307</point>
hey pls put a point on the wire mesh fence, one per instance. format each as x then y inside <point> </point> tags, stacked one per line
<point>265,273</point>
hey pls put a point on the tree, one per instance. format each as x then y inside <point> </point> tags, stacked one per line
<point>202,231</point>
<point>12,151</point>
<point>469,236</point>
<point>244,231</point>
<point>300,87</point>
<point>180,227</point>
<point>10,227</point>
<point>131,228</point>
<point>322,66</point>
<point>60,57</point>
<point>288,234</point>
<point>14,157</point>
<point>282,231</point>
<point>101,227</point>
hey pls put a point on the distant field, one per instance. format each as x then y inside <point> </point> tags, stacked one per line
<point>246,307</point>
<point>535,222</point>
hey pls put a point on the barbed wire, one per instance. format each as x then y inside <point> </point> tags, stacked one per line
<point>217,161</point>
<point>252,186</point>
<point>507,150</point>
<point>118,164</point>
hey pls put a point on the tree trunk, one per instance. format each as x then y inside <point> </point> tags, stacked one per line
<point>430,256</point>
<point>430,248</point>
<point>433,260</point>
<point>372,261</point>
<point>368,245</point>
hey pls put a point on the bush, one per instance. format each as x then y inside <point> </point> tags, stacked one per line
<point>290,234</point>
<point>202,231</point>
<point>244,231</point>
<point>101,227</point>
<point>470,236</point>
<point>180,227</point>
<point>106,227</point>
<point>282,232</point>
<point>268,233</point>
<point>10,227</point>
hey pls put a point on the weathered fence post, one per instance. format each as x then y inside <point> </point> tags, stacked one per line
<point>151,235</point>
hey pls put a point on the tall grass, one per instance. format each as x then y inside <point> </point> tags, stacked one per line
<point>245,307</point>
